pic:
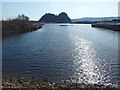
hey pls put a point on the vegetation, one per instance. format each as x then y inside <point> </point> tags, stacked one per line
<point>19,25</point>
<point>111,25</point>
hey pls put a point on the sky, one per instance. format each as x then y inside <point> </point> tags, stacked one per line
<point>35,10</point>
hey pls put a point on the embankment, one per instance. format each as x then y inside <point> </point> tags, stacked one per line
<point>19,26</point>
<point>114,27</point>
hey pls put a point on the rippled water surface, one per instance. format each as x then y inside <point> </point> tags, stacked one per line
<point>77,53</point>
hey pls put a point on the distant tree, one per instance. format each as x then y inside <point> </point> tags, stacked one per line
<point>23,17</point>
<point>20,24</point>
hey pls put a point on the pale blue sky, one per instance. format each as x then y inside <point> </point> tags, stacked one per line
<point>34,10</point>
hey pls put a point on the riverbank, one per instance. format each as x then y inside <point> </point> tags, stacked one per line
<point>19,26</point>
<point>110,26</point>
<point>29,84</point>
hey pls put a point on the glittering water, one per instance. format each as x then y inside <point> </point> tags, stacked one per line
<point>88,65</point>
<point>76,53</point>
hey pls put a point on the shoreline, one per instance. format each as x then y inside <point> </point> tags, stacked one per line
<point>109,26</point>
<point>11,28</point>
<point>28,83</point>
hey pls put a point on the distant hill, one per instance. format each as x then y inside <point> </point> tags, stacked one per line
<point>92,19</point>
<point>51,18</point>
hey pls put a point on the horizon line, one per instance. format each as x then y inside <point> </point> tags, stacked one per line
<point>70,18</point>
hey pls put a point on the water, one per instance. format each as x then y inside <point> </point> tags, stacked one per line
<point>76,53</point>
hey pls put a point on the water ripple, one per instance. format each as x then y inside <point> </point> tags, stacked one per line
<point>88,67</point>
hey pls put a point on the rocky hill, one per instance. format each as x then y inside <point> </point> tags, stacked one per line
<point>51,18</point>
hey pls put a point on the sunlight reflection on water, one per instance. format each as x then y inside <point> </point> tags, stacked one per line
<point>87,65</point>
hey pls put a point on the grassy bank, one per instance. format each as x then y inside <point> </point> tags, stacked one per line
<point>29,84</point>
<point>114,27</point>
<point>18,26</point>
